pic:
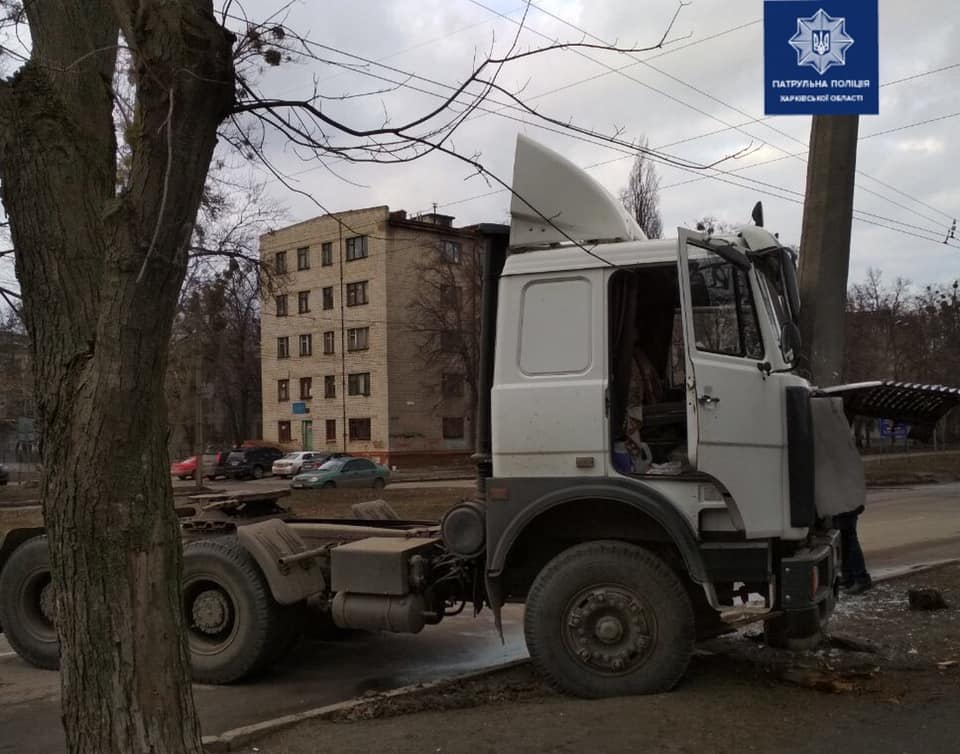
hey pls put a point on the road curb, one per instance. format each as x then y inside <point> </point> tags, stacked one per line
<point>232,740</point>
<point>892,574</point>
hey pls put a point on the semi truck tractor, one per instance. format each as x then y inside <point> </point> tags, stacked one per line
<point>647,457</point>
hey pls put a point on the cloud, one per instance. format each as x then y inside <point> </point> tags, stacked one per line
<point>930,145</point>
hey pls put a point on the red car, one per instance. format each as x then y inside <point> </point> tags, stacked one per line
<point>186,468</point>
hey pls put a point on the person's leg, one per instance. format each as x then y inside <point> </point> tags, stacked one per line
<point>857,568</point>
<point>844,522</point>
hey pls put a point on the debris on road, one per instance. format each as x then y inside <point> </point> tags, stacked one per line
<point>926,599</point>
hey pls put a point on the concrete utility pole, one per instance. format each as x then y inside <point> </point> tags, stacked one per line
<point>825,245</point>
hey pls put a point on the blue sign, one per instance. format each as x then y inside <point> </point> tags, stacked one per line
<point>300,408</point>
<point>893,429</point>
<point>821,57</point>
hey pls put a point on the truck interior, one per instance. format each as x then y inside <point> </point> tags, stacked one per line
<point>648,418</point>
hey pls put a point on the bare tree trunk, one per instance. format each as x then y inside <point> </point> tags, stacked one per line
<point>100,274</point>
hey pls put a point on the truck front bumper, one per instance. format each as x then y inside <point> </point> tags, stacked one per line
<point>808,579</point>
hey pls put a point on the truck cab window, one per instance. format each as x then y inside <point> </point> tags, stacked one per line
<point>724,316</point>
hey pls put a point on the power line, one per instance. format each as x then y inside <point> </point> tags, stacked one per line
<point>695,89</point>
<point>596,139</point>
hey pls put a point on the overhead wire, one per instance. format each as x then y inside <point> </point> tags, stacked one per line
<point>692,87</point>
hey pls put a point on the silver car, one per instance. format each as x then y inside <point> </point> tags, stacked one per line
<point>290,464</point>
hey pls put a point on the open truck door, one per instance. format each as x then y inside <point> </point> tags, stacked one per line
<point>730,395</point>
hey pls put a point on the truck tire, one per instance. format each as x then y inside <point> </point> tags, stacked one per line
<point>233,624</point>
<point>608,618</point>
<point>27,605</point>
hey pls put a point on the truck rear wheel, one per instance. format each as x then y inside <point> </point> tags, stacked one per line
<point>234,626</point>
<point>28,605</point>
<point>608,618</point>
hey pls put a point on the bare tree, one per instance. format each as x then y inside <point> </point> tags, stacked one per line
<point>641,195</point>
<point>218,324</point>
<point>445,316</point>
<point>102,227</point>
<point>100,269</point>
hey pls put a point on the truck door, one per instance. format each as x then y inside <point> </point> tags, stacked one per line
<point>735,417</point>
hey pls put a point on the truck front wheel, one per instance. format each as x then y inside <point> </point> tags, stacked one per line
<point>608,618</point>
<point>234,626</point>
<point>28,605</point>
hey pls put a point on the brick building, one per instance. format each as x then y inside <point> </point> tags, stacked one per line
<point>363,340</point>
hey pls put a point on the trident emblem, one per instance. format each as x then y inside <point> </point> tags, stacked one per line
<point>821,42</point>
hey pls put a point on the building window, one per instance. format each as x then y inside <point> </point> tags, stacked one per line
<point>356,248</point>
<point>280,263</point>
<point>328,298</point>
<point>306,388</point>
<point>303,258</point>
<point>331,430</point>
<point>283,431</point>
<point>326,254</point>
<point>450,251</point>
<point>452,385</point>
<point>328,346</point>
<point>449,341</point>
<point>330,386</point>
<point>449,296</point>
<point>358,338</point>
<point>283,347</point>
<point>303,302</point>
<point>306,345</point>
<point>282,305</point>
<point>358,384</point>
<point>356,293</point>
<point>453,428</point>
<point>283,390</point>
<point>359,429</point>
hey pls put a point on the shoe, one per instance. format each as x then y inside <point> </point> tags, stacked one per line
<point>860,586</point>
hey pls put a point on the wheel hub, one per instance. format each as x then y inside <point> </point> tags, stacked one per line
<point>607,629</point>
<point>211,611</point>
<point>48,603</point>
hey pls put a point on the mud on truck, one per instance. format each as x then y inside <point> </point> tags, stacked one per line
<point>647,456</point>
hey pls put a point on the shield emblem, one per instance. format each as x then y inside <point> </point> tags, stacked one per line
<point>821,42</point>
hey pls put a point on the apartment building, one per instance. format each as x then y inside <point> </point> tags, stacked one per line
<point>364,334</point>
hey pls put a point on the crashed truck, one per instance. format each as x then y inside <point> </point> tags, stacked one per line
<point>647,458</point>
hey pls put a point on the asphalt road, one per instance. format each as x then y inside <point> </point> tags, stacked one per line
<point>272,483</point>
<point>902,527</point>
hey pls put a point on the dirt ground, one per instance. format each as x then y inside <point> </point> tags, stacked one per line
<point>899,696</point>
<point>904,469</point>
<point>427,504</point>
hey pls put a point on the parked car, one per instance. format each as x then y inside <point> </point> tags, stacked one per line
<point>320,459</point>
<point>184,469</point>
<point>4,475</point>
<point>293,463</point>
<point>240,463</point>
<point>344,472</point>
<point>187,468</point>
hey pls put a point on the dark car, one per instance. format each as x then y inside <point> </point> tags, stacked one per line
<point>240,463</point>
<point>4,475</point>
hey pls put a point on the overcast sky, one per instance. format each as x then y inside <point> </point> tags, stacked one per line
<point>707,80</point>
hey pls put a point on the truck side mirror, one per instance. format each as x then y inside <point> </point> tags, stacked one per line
<point>790,341</point>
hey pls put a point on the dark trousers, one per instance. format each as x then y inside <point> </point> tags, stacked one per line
<point>854,565</point>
